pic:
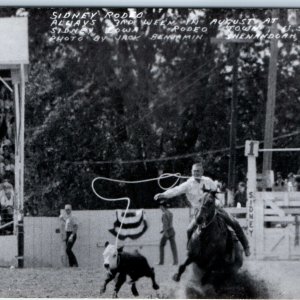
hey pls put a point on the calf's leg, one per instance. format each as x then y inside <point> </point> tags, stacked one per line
<point>134,290</point>
<point>152,276</point>
<point>120,280</point>
<point>108,278</point>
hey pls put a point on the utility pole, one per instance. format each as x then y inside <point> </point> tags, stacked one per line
<point>233,119</point>
<point>234,102</point>
<point>271,99</point>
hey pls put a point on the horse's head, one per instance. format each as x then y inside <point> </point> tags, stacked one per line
<point>207,210</point>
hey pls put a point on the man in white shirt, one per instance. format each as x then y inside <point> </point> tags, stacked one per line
<point>70,227</point>
<point>194,188</point>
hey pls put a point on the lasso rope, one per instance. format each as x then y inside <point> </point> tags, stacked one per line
<point>158,179</point>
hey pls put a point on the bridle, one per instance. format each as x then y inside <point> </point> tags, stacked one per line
<point>204,226</point>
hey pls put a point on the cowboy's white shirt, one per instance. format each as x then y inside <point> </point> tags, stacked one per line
<point>192,189</point>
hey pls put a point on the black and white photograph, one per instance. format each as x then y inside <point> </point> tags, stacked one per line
<point>150,152</point>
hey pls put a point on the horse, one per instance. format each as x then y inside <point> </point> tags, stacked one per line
<point>212,246</point>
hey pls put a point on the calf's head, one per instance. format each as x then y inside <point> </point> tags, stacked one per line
<point>111,256</point>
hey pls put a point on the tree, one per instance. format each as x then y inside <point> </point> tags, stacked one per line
<point>90,106</point>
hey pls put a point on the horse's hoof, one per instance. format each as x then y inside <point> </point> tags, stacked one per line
<point>155,286</point>
<point>176,277</point>
<point>115,295</point>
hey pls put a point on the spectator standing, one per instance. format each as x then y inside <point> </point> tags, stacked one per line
<point>168,233</point>
<point>297,181</point>
<point>70,229</point>
<point>240,197</point>
<point>7,205</point>
<point>291,183</point>
<point>7,151</point>
<point>2,166</point>
<point>280,184</point>
<point>7,195</point>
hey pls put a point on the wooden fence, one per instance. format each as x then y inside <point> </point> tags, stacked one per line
<point>275,234</point>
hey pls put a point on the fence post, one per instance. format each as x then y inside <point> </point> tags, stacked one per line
<point>297,230</point>
<point>259,224</point>
<point>251,151</point>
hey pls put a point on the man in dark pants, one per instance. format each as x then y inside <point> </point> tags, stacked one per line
<point>70,227</point>
<point>168,233</point>
<point>237,229</point>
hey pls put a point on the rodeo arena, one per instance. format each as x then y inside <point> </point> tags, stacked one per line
<point>236,249</point>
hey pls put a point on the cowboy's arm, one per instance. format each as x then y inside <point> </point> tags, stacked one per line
<point>173,192</point>
<point>234,224</point>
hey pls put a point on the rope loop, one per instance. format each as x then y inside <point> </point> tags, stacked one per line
<point>158,179</point>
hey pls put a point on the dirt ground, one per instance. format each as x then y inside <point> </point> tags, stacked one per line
<point>276,279</point>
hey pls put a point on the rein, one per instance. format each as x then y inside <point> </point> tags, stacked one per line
<point>212,219</point>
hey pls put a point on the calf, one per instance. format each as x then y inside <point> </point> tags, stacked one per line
<point>120,263</point>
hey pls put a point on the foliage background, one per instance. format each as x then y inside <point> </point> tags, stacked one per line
<point>89,102</point>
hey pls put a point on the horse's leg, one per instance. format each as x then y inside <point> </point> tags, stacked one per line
<point>232,267</point>
<point>213,271</point>
<point>190,231</point>
<point>206,278</point>
<point>182,268</point>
